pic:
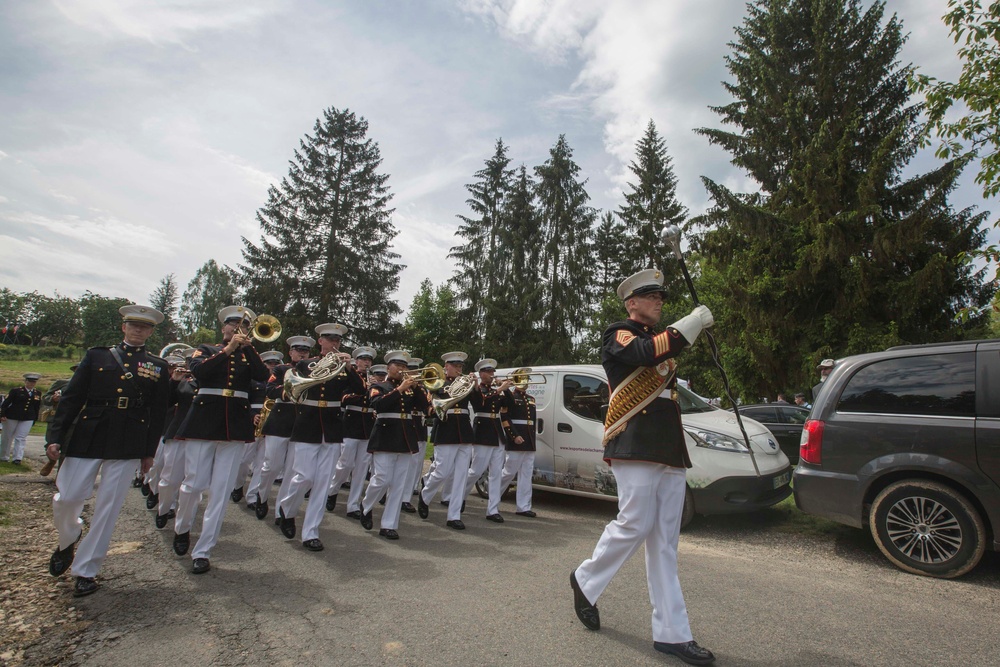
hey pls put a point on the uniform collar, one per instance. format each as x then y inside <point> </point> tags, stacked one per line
<point>131,348</point>
<point>645,327</point>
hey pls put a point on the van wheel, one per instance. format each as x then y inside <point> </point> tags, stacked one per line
<point>927,528</point>
<point>483,487</point>
<point>687,514</point>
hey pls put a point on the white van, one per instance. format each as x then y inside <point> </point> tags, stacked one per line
<point>571,405</point>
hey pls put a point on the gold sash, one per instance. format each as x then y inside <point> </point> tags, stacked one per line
<point>637,391</point>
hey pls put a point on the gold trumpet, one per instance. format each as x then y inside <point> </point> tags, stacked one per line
<point>431,376</point>
<point>264,328</point>
<point>520,378</point>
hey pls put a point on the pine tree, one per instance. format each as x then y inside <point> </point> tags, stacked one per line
<point>164,298</point>
<point>567,258</point>
<point>839,252</point>
<point>325,253</point>
<point>211,289</point>
<point>611,250</point>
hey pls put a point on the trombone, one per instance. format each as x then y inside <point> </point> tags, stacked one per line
<point>520,378</point>
<point>431,376</point>
<point>263,328</point>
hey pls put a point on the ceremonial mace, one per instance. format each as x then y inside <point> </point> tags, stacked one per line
<point>671,235</point>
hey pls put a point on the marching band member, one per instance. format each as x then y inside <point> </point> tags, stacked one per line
<point>216,430</point>
<point>253,456</point>
<point>519,425</point>
<point>278,429</point>
<point>453,440</point>
<point>490,408</point>
<point>392,444</point>
<point>644,444</point>
<point>120,396</point>
<point>358,423</point>
<point>317,438</point>
<point>18,412</point>
<point>182,389</point>
<point>420,422</point>
<point>151,482</point>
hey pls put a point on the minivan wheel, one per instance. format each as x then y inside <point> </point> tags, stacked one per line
<point>483,487</point>
<point>927,528</point>
<point>687,514</point>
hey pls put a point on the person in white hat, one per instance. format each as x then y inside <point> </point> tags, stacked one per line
<point>183,389</point>
<point>392,443</point>
<point>519,425</point>
<point>18,412</point>
<point>108,422</point>
<point>277,429</point>
<point>317,438</point>
<point>453,438</point>
<point>359,419</point>
<point>216,430</point>
<point>490,408</point>
<point>420,422</point>
<point>824,367</point>
<point>644,444</point>
<point>253,456</point>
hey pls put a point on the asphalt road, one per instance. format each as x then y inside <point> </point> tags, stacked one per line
<point>499,595</point>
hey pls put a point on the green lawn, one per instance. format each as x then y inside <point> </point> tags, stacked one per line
<point>12,372</point>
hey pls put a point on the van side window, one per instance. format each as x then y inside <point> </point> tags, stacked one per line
<point>939,384</point>
<point>584,395</point>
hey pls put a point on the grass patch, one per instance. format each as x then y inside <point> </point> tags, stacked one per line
<point>7,468</point>
<point>38,428</point>
<point>6,497</point>
<point>12,372</point>
<point>794,520</point>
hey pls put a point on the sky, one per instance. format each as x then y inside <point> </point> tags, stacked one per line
<point>138,138</point>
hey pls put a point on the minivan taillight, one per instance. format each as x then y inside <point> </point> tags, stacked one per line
<point>811,444</point>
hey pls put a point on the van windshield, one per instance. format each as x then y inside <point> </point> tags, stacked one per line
<point>691,402</point>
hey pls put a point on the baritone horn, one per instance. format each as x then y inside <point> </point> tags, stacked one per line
<point>264,328</point>
<point>431,376</point>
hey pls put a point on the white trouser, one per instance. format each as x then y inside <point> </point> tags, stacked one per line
<point>449,459</point>
<point>483,457</point>
<point>650,504</point>
<point>276,452</point>
<point>152,477</point>
<point>392,472</point>
<point>209,465</point>
<point>15,432</point>
<point>521,464</point>
<point>256,463</point>
<point>312,469</point>
<point>417,465</point>
<point>361,467</point>
<point>171,475</point>
<point>75,484</point>
<point>347,463</point>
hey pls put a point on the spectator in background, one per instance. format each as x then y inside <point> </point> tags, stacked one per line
<point>800,400</point>
<point>781,400</point>
<point>18,412</point>
<point>824,368</point>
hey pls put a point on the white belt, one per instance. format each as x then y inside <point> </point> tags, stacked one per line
<point>393,415</point>
<point>526,422</point>
<point>488,415</point>
<point>356,408</point>
<point>228,393</point>
<point>321,404</point>
<point>257,406</point>
<point>458,410</point>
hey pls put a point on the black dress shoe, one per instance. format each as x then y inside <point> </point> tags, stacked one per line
<point>200,566</point>
<point>287,525</point>
<point>689,652</point>
<point>423,509</point>
<point>162,519</point>
<point>237,495</point>
<point>152,500</point>
<point>331,503</point>
<point>84,586</point>
<point>137,483</point>
<point>313,545</point>
<point>529,514</point>
<point>408,508</point>
<point>586,612</point>
<point>181,543</point>
<point>16,462</point>
<point>60,560</point>
<point>356,515</point>
<point>381,501</point>
<point>456,524</point>
<point>366,520</point>
<point>388,533</point>
<point>260,509</point>
<point>446,502</point>
<point>495,518</point>
<point>144,489</point>
<point>307,493</point>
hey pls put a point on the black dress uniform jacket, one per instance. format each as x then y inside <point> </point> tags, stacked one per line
<point>359,417</point>
<point>224,418</point>
<point>520,407</point>
<point>490,407</point>
<point>456,429</point>
<point>182,395</point>
<point>282,418</point>
<point>655,434</point>
<point>317,424</point>
<point>394,430</point>
<point>21,404</point>
<point>119,418</point>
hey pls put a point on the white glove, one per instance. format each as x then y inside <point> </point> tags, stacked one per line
<point>690,326</point>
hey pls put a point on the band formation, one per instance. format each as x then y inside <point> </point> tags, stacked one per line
<point>206,426</point>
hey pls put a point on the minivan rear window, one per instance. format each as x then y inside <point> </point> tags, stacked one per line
<point>586,396</point>
<point>938,384</point>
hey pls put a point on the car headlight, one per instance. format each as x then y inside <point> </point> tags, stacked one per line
<point>713,440</point>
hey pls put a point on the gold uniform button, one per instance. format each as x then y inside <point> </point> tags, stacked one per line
<point>123,377</point>
<point>119,390</point>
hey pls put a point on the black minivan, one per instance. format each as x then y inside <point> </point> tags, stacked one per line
<point>907,441</point>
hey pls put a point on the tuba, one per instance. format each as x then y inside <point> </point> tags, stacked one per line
<point>330,366</point>
<point>457,390</point>
<point>177,348</point>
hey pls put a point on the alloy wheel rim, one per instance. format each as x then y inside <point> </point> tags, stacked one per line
<point>923,530</point>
